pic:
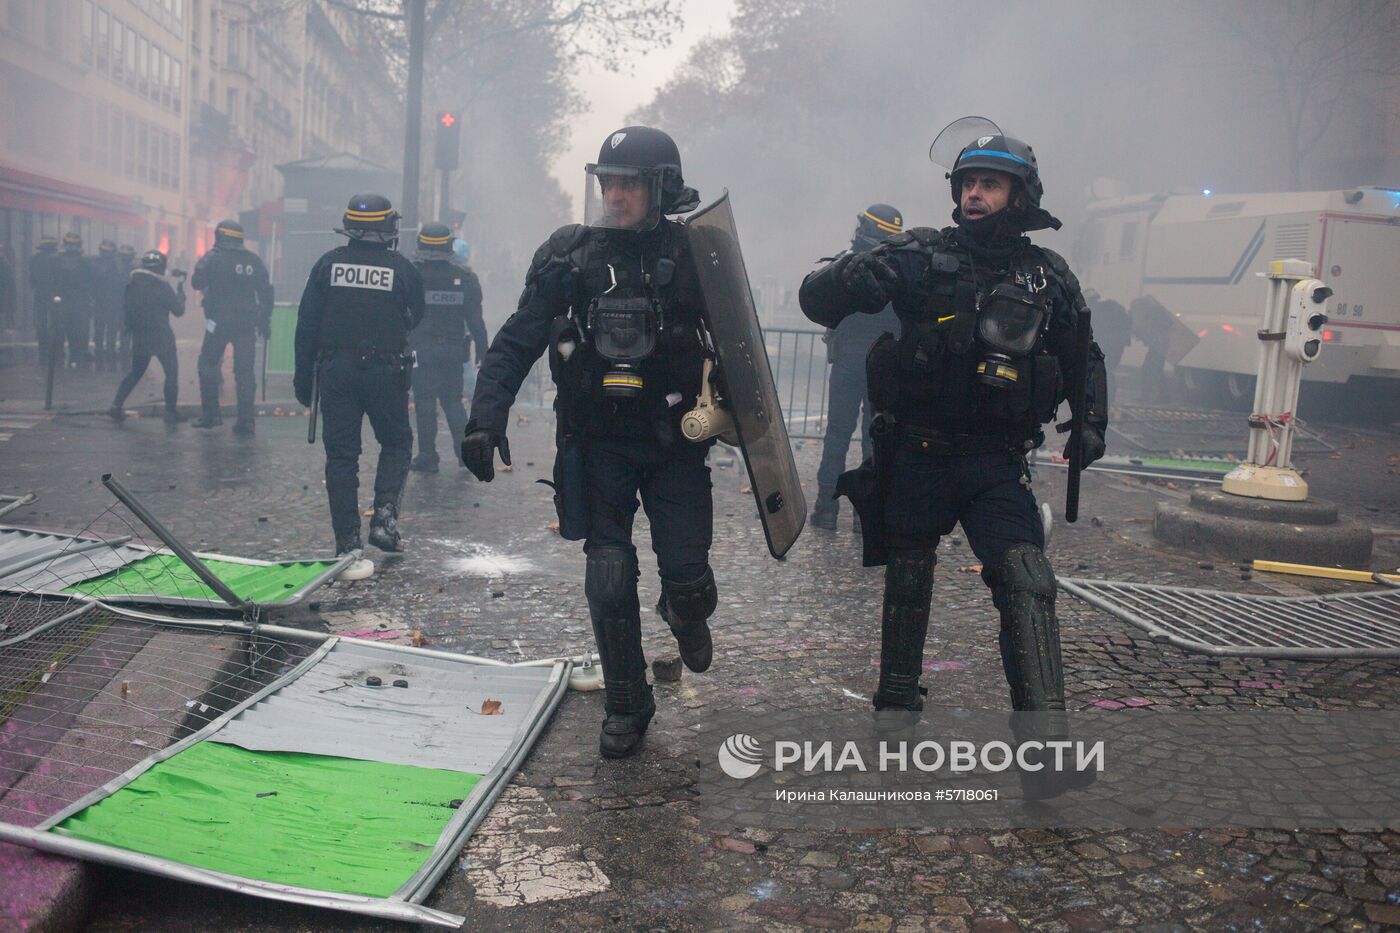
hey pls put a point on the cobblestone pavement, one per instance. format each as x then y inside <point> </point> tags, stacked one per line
<point>581,843</point>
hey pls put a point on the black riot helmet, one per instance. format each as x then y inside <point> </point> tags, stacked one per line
<point>153,260</point>
<point>874,224</point>
<point>435,242</point>
<point>641,158</point>
<point>370,218</point>
<point>107,248</point>
<point>72,243</point>
<point>48,244</point>
<point>126,252</point>
<point>228,233</point>
<point>1007,154</point>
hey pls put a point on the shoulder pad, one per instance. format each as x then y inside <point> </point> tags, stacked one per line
<point>1060,270</point>
<point>566,239</point>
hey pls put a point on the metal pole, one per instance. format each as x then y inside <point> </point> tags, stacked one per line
<point>414,13</point>
<point>445,202</point>
<point>185,554</point>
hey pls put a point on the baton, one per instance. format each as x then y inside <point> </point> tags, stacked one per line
<point>1078,391</point>
<point>315,403</point>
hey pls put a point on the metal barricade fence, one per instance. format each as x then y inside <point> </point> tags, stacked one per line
<point>800,373</point>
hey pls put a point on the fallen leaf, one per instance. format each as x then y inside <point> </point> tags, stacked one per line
<point>553,526</point>
<point>1336,456</point>
<point>507,468</point>
<point>971,568</point>
<point>491,708</point>
<point>369,513</point>
<point>745,491</point>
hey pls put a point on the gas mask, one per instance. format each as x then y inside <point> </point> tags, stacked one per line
<point>1009,322</point>
<point>624,332</point>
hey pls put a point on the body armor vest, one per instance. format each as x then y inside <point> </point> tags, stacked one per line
<point>446,286</point>
<point>363,303</point>
<point>973,358</point>
<point>627,357</point>
<point>230,283</point>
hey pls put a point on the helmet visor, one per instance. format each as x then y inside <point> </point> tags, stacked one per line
<point>621,197</point>
<point>954,137</point>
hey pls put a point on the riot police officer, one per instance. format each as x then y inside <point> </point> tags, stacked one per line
<point>109,279</point>
<point>986,351</point>
<point>148,302</point>
<point>74,291</point>
<point>41,277</point>
<point>360,302</point>
<point>847,344</point>
<point>441,344</point>
<point>237,308</point>
<point>617,304</point>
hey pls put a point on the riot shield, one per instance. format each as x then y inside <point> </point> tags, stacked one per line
<point>746,377</point>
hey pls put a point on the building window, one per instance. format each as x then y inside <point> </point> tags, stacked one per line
<point>1127,245</point>
<point>177,83</point>
<point>118,49</point>
<point>130,146</point>
<point>131,76</point>
<point>102,40</point>
<point>85,30</point>
<point>143,67</point>
<point>85,132</point>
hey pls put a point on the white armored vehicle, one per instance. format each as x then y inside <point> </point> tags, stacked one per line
<point>1199,256</point>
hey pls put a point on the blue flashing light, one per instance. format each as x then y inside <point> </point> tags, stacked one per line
<point>1206,192</point>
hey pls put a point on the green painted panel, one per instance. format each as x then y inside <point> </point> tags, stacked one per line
<point>331,824</point>
<point>166,575</point>
<point>281,345</point>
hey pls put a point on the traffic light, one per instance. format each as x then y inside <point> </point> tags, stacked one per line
<point>1306,318</point>
<point>449,134</point>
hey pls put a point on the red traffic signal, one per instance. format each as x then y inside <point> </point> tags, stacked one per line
<point>447,119</point>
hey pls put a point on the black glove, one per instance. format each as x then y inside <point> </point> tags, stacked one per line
<point>302,388</point>
<point>868,274</point>
<point>478,453</point>
<point>263,329</point>
<point>1091,445</point>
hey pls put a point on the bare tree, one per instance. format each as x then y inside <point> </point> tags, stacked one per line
<point>1316,59</point>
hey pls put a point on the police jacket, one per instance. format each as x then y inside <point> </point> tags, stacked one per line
<point>556,312</point>
<point>73,282</point>
<point>149,301</point>
<point>928,378</point>
<point>361,296</point>
<point>452,302</point>
<point>109,283</point>
<point>41,275</point>
<point>235,286</point>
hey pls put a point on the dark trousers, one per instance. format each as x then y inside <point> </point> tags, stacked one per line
<point>106,332</point>
<point>349,392</point>
<point>675,491</point>
<point>71,327</point>
<point>42,311</point>
<point>211,363</point>
<point>437,380</point>
<point>989,494</point>
<point>846,405</point>
<point>144,345</point>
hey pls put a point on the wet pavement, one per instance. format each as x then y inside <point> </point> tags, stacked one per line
<point>581,843</point>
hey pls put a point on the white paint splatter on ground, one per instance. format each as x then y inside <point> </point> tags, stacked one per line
<point>478,560</point>
<point>507,871</point>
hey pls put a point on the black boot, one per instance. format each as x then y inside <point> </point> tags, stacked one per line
<point>347,541</point>
<point>903,629</point>
<point>686,607</point>
<point>1030,654</point>
<point>424,463</point>
<point>207,421</point>
<point>384,528</point>
<point>825,511</point>
<point>173,416</point>
<point>610,583</point>
<point>243,427</point>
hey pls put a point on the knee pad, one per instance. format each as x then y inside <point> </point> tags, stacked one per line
<point>610,579</point>
<point>1025,572</point>
<point>689,603</point>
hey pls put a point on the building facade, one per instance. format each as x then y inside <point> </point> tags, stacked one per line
<point>146,121</point>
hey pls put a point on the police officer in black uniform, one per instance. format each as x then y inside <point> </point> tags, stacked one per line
<point>847,345</point>
<point>237,309</point>
<point>148,302</point>
<point>617,304</point>
<point>441,344</point>
<point>360,302</point>
<point>41,283</point>
<point>984,358</point>
<point>74,290</point>
<point>109,275</point>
